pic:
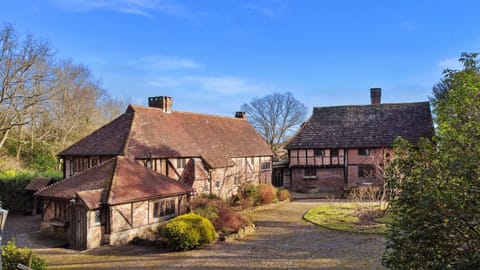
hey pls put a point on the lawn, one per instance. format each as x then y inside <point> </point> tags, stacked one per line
<point>349,217</point>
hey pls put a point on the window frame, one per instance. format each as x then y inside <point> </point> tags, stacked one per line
<point>364,151</point>
<point>97,217</point>
<point>181,163</point>
<point>310,173</point>
<point>164,208</point>
<point>334,152</point>
<point>363,169</point>
<point>319,152</point>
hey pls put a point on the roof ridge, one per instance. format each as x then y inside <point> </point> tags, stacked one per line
<point>127,140</point>
<point>372,105</point>
<point>192,113</point>
<point>92,133</point>
<point>75,175</point>
<point>111,180</point>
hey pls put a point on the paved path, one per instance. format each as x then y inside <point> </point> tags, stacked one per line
<point>283,240</point>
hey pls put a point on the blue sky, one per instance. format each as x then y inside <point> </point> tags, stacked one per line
<point>213,56</point>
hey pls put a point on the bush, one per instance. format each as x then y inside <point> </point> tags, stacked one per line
<point>223,218</point>
<point>266,193</point>
<point>364,193</point>
<point>12,193</point>
<point>189,231</point>
<point>11,256</point>
<point>229,221</point>
<point>207,208</point>
<point>283,195</point>
<point>248,191</point>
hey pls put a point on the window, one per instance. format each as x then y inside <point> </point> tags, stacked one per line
<point>60,210</point>
<point>310,173</point>
<point>156,210</point>
<point>164,208</point>
<point>181,163</point>
<point>94,162</point>
<point>319,152</point>
<point>334,152</point>
<point>80,164</point>
<point>98,217</point>
<point>217,184</point>
<point>366,172</point>
<point>265,165</point>
<point>363,151</point>
<point>236,180</point>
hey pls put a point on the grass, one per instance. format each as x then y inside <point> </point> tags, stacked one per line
<point>349,217</point>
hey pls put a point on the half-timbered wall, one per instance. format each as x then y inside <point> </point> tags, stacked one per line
<point>333,168</point>
<point>74,165</point>
<point>223,182</point>
<point>137,219</point>
<point>317,157</point>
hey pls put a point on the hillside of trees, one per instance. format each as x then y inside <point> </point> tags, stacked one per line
<point>46,104</point>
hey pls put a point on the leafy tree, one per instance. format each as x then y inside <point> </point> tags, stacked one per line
<point>275,117</point>
<point>436,216</point>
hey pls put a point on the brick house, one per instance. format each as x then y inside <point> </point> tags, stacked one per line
<point>337,146</point>
<point>179,153</point>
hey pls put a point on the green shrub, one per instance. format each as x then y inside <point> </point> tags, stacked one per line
<point>189,231</point>
<point>248,191</point>
<point>283,195</point>
<point>11,256</point>
<point>207,209</point>
<point>266,193</point>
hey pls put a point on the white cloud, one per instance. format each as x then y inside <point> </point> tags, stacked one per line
<point>164,62</point>
<point>224,85</point>
<point>138,7</point>
<point>450,63</point>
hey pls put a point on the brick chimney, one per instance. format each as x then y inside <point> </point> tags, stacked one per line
<point>162,102</point>
<point>376,95</point>
<point>241,115</point>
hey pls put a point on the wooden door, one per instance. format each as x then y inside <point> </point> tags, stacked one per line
<point>79,228</point>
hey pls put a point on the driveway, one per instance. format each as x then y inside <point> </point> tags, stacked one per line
<point>283,240</point>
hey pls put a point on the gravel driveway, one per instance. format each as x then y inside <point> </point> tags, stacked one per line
<point>283,240</point>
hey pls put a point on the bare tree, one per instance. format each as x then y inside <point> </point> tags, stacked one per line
<point>23,74</point>
<point>275,117</point>
<point>46,104</point>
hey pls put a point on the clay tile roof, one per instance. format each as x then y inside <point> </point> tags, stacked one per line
<point>118,180</point>
<point>107,140</point>
<point>364,126</point>
<point>133,182</point>
<point>90,179</point>
<point>142,131</point>
<point>37,183</point>
<point>91,198</point>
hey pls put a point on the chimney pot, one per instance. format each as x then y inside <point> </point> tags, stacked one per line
<point>241,115</point>
<point>162,102</point>
<point>375,95</point>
